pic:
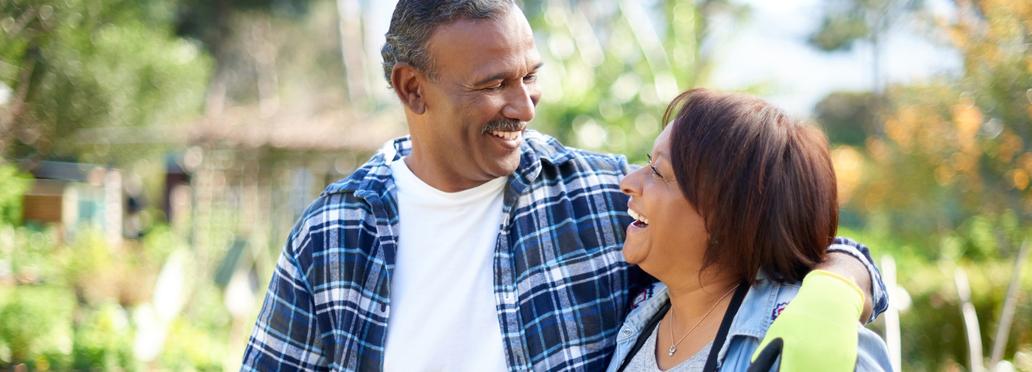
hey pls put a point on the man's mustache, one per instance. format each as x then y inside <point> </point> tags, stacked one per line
<point>505,125</point>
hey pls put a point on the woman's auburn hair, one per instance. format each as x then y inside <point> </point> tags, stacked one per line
<point>763,183</point>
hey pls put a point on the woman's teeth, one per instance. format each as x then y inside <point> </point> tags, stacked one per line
<point>505,135</point>
<point>638,219</point>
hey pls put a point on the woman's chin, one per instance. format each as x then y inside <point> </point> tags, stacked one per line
<point>634,255</point>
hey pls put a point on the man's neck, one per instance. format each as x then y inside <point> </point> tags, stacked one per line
<point>437,176</point>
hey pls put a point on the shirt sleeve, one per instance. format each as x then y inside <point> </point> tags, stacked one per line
<point>286,334</point>
<point>871,352</point>
<point>625,166</point>
<point>879,296</point>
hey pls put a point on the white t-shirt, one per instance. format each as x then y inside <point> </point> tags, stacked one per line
<point>443,315</point>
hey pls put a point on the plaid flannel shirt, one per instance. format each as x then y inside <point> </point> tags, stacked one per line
<point>561,285</point>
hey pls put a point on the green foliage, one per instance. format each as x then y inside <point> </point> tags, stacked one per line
<point>952,166</point>
<point>846,22</point>
<point>84,65</point>
<point>207,20</point>
<point>13,185</point>
<point>31,255</point>
<point>158,244</point>
<point>33,321</point>
<point>193,346</point>
<point>91,267</point>
<point>839,32</point>
<point>92,280</point>
<point>846,117</point>
<point>932,328</point>
<point>101,273</point>
<point>606,87</point>
<point>104,341</point>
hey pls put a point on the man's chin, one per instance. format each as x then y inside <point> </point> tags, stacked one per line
<point>506,170</point>
<point>506,167</point>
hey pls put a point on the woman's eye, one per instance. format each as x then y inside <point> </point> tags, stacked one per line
<point>530,78</point>
<point>655,171</point>
<point>653,167</point>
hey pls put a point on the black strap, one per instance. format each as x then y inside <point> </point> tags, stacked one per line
<point>646,332</point>
<point>718,342</point>
<point>725,327</point>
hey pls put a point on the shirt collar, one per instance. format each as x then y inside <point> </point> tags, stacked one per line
<point>374,174</point>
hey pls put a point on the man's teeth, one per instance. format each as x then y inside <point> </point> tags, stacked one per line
<point>638,217</point>
<point>506,135</point>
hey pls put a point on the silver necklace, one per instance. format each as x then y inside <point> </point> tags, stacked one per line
<point>673,319</point>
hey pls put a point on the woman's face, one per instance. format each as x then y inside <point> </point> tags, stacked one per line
<point>668,235</point>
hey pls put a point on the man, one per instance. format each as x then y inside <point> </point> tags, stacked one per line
<point>474,244</point>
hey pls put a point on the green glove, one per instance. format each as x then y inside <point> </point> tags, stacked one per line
<point>819,328</point>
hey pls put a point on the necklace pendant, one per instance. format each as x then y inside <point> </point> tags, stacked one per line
<point>671,350</point>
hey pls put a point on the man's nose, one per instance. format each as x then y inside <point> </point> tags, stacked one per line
<point>520,103</point>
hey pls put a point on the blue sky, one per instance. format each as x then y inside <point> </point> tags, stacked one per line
<point>770,48</point>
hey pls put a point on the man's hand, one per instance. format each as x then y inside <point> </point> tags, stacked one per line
<point>850,267</point>
<point>819,327</point>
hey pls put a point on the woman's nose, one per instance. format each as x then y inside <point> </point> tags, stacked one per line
<point>630,183</point>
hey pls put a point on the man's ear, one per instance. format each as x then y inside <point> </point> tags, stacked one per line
<point>407,82</point>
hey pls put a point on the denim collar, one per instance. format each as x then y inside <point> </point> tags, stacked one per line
<point>758,310</point>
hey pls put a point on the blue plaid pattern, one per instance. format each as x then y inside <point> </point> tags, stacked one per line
<point>561,287</point>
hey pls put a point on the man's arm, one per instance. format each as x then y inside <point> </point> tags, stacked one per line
<point>286,334</point>
<point>849,267</point>
<point>852,260</point>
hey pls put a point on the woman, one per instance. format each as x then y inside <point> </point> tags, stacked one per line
<point>736,206</point>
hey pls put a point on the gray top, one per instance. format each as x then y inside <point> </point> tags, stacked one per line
<point>645,359</point>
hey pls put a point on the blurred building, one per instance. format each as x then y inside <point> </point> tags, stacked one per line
<point>74,196</point>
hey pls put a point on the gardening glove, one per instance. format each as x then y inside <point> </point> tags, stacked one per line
<point>819,328</point>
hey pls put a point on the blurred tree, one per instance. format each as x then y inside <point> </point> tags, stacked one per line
<point>215,23</point>
<point>611,68</point>
<point>956,149</point>
<point>947,178</point>
<point>33,320</point>
<point>70,65</point>
<point>13,184</point>
<point>846,117</point>
<point>848,22</point>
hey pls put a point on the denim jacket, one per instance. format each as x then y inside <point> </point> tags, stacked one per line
<point>761,305</point>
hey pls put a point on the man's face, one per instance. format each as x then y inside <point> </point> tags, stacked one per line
<point>481,97</point>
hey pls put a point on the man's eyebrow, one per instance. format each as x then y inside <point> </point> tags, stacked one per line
<point>503,75</point>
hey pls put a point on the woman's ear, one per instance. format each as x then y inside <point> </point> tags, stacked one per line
<point>407,82</point>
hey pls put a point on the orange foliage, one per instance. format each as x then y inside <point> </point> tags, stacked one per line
<point>968,135</point>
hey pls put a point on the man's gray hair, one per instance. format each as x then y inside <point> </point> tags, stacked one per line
<point>415,20</point>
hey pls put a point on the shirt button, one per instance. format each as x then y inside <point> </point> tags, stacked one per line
<point>626,332</point>
<point>508,297</point>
